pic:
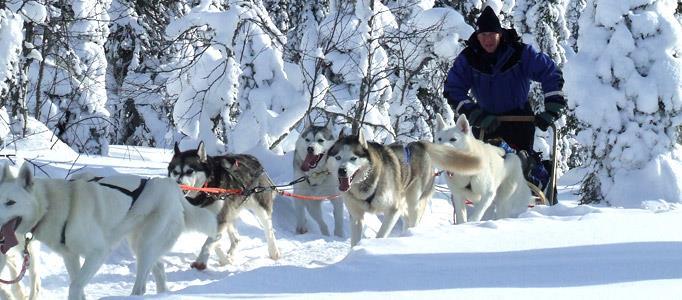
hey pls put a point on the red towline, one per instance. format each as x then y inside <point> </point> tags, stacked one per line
<point>212,190</point>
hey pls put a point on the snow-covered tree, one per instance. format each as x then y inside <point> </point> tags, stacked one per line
<point>573,10</point>
<point>471,9</point>
<point>86,118</point>
<point>11,38</point>
<point>357,64</point>
<point>624,85</point>
<point>232,90</point>
<point>421,49</point>
<point>136,48</point>
<point>69,81</point>
<point>302,16</point>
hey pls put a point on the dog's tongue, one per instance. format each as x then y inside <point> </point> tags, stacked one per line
<point>7,237</point>
<point>344,184</point>
<point>310,161</point>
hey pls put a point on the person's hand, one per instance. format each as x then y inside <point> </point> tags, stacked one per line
<point>544,119</point>
<point>554,107</point>
<point>484,120</point>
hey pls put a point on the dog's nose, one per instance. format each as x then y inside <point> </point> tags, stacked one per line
<point>311,150</point>
<point>343,172</point>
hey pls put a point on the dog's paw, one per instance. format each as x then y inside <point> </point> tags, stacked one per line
<point>198,265</point>
<point>301,230</point>
<point>275,255</point>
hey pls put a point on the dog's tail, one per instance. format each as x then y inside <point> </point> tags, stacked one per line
<point>199,219</point>
<point>447,158</point>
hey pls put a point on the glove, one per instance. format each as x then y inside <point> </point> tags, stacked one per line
<point>483,120</point>
<point>554,107</point>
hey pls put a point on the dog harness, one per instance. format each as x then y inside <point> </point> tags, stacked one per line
<point>408,154</point>
<point>134,194</point>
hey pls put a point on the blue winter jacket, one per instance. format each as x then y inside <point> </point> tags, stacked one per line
<point>503,86</point>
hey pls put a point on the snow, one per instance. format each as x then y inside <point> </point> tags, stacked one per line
<point>564,251</point>
<point>626,71</point>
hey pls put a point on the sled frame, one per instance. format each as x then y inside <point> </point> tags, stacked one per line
<point>548,197</point>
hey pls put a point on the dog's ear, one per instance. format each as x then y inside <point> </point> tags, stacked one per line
<point>307,121</point>
<point>328,124</point>
<point>176,149</point>
<point>201,152</point>
<point>25,178</point>
<point>361,139</point>
<point>463,124</point>
<point>440,123</point>
<point>6,173</point>
<point>342,134</point>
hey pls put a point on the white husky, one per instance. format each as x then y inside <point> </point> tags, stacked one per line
<point>79,218</point>
<point>309,161</point>
<point>500,185</point>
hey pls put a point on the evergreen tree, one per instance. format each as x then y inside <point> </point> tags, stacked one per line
<point>629,57</point>
<point>573,10</point>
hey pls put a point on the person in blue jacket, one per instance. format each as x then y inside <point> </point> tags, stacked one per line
<point>497,68</point>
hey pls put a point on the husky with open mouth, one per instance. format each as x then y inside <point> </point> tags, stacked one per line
<point>393,180</point>
<point>87,219</point>
<point>309,161</point>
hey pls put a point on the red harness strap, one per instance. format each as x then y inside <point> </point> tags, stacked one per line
<point>304,197</point>
<point>24,266</point>
<point>211,190</point>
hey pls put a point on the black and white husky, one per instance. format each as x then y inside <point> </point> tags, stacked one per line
<point>309,161</point>
<point>394,180</point>
<point>236,172</point>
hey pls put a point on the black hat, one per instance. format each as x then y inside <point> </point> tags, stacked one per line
<point>488,21</point>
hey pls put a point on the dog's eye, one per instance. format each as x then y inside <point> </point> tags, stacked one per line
<point>453,139</point>
<point>320,141</point>
<point>189,172</point>
<point>10,203</point>
<point>440,140</point>
<point>353,158</point>
<point>307,140</point>
<point>338,157</point>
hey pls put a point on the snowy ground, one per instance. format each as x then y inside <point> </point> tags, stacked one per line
<point>565,251</point>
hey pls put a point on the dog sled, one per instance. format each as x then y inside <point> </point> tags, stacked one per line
<point>548,196</point>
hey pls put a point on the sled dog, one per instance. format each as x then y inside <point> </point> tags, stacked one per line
<point>234,171</point>
<point>394,180</point>
<point>79,218</point>
<point>499,185</point>
<point>309,161</point>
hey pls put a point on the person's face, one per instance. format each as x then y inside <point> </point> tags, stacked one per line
<point>489,41</point>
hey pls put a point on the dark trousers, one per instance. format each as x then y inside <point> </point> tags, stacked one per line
<point>518,135</point>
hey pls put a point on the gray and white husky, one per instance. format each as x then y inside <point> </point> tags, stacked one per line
<point>311,147</point>
<point>499,187</point>
<point>394,180</point>
<point>234,171</point>
<point>86,219</point>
